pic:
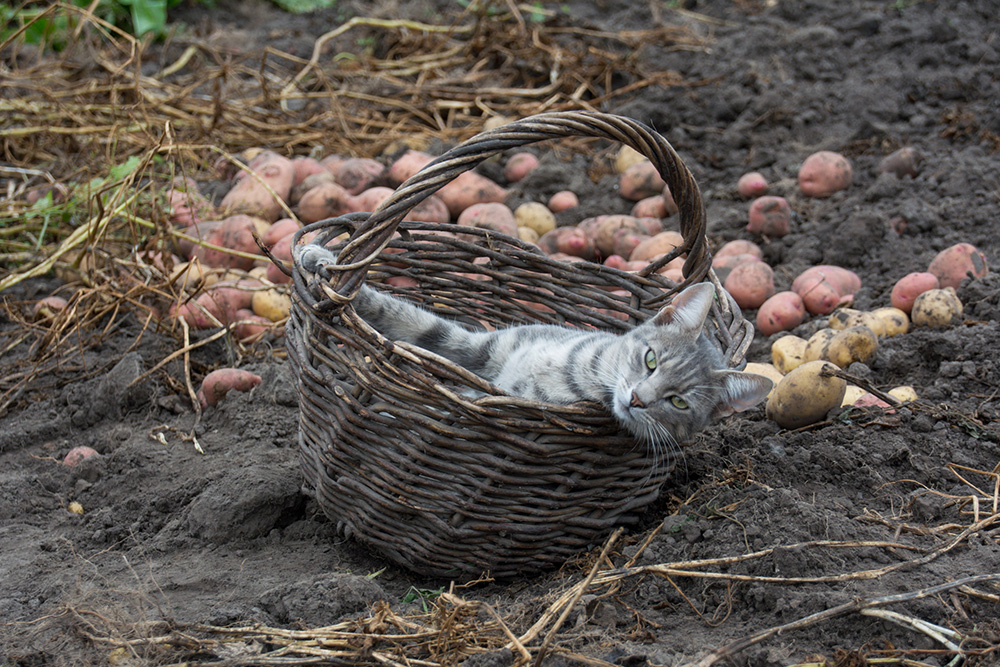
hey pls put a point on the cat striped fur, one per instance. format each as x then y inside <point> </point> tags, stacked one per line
<point>663,381</point>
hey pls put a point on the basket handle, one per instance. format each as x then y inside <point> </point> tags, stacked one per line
<point>374,234</point>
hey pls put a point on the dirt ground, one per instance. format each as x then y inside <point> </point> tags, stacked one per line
<point>863,506</point>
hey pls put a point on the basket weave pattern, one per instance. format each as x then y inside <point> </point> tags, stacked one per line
<point>433,466</point>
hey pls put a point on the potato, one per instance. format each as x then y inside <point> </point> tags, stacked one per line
<point>308,184</point>
<point>535,216</point>
<point>818,345</point>
<point>357,174</point>
<point>470,188</point>
<point>563,201</point>
<point>953,265</point>
<point>936,308</point>
<point>894,320</point>
<point>844,318</point>
<point>326,200</point>
<point>220,382</point>
<point>431,209</point>
<point>739,247</point>
<point>843,280</point>
<point>250,196</point>
<point>852,394</point>
<point>568,241</point>
<point>494,122</point>
<point>279,230</point>
<point>768,371</point>
<point>770,216</point>
<point>188,275</point>
<point>519,165</point>
<point>650,207</point>
<point>407,165</point>
<point>824,173</point>
<point>626,241</point>
<point>331,161</point>
<point>724,265</point>
<point>903,394</point>
<point>805,396</point>
<point>854,344</point>
<point>639,181</point>
<point>235,233</point>
<point>528,235</point>
<point>46,309</point>
<point>867,400</point>
<point>909,287</point>
<point>186,206</point>
<point>249,327</point>
<point>751,284</point>
<point>77,455</point>
<point>907,161</point>
<point>788,353</point>
<point>490,215</point>
<point>604,229</point>
<point>752,184</point>
<point>626,157</point>
<point>305,167</point>
<point>273,304</point>
<point>824,288</point>
<point>282,252</point>
<point>782,312</point>
<point>660,244</point>
<point>372,198</point>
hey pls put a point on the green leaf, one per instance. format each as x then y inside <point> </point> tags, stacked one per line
<point>303,6</point>
<point>147,16</point>
<point>126,168</point>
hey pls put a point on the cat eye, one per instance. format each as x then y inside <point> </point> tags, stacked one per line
<point>650,360</point>
<point>679,402</point>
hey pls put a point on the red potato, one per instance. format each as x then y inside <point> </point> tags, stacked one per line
<point>953,265</point>
<point>308,184</point>
<point>639,181</point>
<point>357,174</point>
<point>724,265</point>
<point>251,197</point>
<point>327,200</point>
<point>824,288</point>
<point>187,206</point>
<point>651,226</point>
<point>490,215</point>
<point>77,455</point>
<point>906,161</point>
<point>751,284</point>
<point>220,382</point>
<point>331,161</point>
<point>603,229</point>
<point>227,171</point>
<point>616,262</point>
<point>563,201</point>
<point>408,164</point>
<point>305,167</point>
<point>770,216</point>
<point>249,327</point>
<point>569,241</point>
<point>519,166</point>
<point>824,173</point>
<point>650,207</point>
<point>843,280</point>
<point>431,209</point>
<point>218,305</point>
<point>282,251</point>
<point>660,244</point>
<point>46,309</point>
<point>470,188</point>
<point>676,275</point>
<point>626,241</point>
<point>739,247</point>
<point>279,230</point>
<point>752,184</point>
<point>372,198</point>
<point>909,287</point>
<point>235,233</point>
<point>782,312</point>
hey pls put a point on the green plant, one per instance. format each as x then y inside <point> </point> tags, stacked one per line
<point>425,595</point>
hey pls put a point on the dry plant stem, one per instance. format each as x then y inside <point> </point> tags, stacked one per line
<point>580,589</point>
<point>932,630</point>
<point>728,651</point>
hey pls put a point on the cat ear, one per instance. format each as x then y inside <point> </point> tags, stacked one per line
<point>689,308</point>
<point>741,391</point>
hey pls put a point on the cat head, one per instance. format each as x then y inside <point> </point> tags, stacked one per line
<point>673,380</point>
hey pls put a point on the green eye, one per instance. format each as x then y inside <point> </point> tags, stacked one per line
<point>650,360</point>
<point>679,402</point>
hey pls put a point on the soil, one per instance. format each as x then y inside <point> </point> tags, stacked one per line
<point>230,536</point>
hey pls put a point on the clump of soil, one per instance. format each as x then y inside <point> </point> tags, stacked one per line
<point>867,505</point>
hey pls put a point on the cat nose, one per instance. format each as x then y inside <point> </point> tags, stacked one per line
<point>636,402</point>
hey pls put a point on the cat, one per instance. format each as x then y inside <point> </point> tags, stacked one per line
<point>663,381</point>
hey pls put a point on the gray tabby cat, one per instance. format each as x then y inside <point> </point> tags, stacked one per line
<point>663,380</point>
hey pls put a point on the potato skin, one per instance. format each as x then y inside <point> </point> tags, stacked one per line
<point>909,287</point>
<point>751,284</point>
<point>782,312</point>
<point>220,382</point>
<point>659,244</point>
<point>752,184</point>
<point>536,216</point>
<point>853,344</point>
<point>818,345</point>
<point>639,181</point>
<point>894,320</point>
<point>952,265</point>
<point>824,173</point>
<point>788,353</point>
<point>936,308</point>
<point>804,396</point>
<point>249,196</point>
<point>770,216</point>
<point>490,215</point>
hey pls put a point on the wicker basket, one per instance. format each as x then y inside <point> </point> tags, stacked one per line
<point>399,455</point>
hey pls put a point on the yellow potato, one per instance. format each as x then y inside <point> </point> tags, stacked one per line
<point>936,308</point>
<point>856,343</point>
<point>818,345</point>
<point>894,320</point>
<point>188,275</point>
<point>804,396</point>
<point>627,156</point>
<point>845,318</point>
<point>273,304</point>
<point>903,394</point>
<point>768,371</point>
<point>787,353</point>
<point>527,234</point>
<point>260,273</point>
<point>536,216</point>
<point>852,394</point>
